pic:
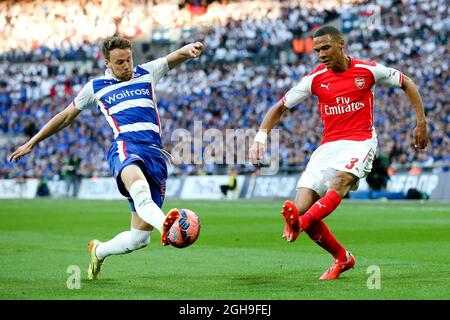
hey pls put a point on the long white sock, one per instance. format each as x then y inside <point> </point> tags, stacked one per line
<point>124,242</point>
<point>146,208</point>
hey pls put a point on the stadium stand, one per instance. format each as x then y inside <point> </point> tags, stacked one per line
<point>248,65</point>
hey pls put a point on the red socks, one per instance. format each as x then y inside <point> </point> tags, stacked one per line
<point>320,209</point>
<point>320,234</point>
<point>317,230</point>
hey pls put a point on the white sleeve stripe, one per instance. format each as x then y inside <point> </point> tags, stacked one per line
<point>380,74</point>
<point>302,90</point>
<point>370,68</point>
<point>85,98</point>
<point>157,68</point>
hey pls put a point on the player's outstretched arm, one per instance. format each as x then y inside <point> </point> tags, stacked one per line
<point>58,122</point>
<point>272,117</point>
<point>192,50</point>
<point>420,131</point>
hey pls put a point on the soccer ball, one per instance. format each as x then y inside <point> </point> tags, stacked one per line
<point>185,229</point>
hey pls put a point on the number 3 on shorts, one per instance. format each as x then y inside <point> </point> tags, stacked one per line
<point>352,163</point>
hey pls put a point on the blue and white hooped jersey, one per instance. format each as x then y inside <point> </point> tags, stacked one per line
<point>129,107</point>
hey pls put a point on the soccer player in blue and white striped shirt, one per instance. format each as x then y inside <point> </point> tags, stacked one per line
<point>126,97</point>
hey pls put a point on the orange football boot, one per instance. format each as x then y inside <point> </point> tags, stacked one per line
<point>338,267</point>
<point>293,222</point>
<point>173,215</point>
<point>95,266</point>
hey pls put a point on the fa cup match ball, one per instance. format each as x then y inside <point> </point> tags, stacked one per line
<point>185,229</point>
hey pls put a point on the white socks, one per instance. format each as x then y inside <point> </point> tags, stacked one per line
<point>124,242</point>
<point>146,208</point>
<point>134,239</point>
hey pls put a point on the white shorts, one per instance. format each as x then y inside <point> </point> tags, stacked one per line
<point>355,157</point>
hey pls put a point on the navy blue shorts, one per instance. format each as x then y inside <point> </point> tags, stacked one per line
<point>151,162</point>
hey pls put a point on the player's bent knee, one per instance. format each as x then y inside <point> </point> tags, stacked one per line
<point>304,199</point>
<point>132,174</point>
<point>302,208</point>
<point>304,203</point>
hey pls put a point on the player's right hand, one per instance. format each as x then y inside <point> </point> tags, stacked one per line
<point>256,152</point>
<point>420,136</point>
<point>195,49</point>
<point>21,151</point>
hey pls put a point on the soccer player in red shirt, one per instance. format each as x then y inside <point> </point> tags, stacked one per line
<point>343,86</point>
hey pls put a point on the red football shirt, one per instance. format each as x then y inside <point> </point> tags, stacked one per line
<point>346,99</point>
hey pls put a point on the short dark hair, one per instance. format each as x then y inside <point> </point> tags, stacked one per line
<point>332,31</point>
<point>115,42</point>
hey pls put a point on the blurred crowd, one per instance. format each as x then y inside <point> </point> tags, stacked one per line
<point>230,87</point>
<point>69,30</point>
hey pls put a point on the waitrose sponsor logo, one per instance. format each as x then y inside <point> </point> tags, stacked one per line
<point>126,94</point>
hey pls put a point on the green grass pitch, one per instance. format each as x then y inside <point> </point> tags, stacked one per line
<point>239,254</point>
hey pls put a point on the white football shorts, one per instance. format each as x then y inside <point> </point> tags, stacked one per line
<point>355,157</point>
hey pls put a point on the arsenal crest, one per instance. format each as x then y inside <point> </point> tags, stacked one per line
<point>360,82</point>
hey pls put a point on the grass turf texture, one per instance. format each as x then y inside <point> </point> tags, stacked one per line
<point>239,254</point>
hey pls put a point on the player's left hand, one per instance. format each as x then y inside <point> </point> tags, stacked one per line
<point>21,151</point>
<point>195,49</point>
<point>420,136</point>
